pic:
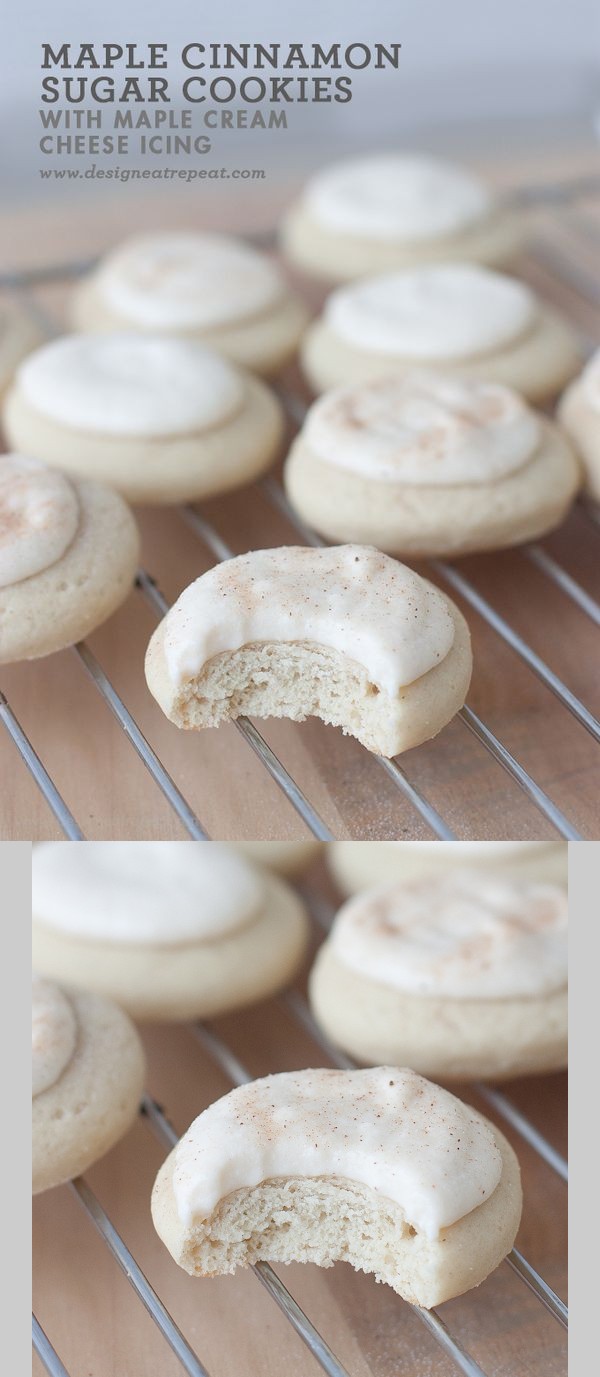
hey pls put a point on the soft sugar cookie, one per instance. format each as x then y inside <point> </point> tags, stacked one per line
<point>460,975</point>
<point>345,634</point>
<point>206,287</point>
<point>579,414</point>
<point>452,319</point>
<point>285,857</point>
<point>396,210</point>
<point>87,1081</point>
<point>362,865</point>
<point>377,1168</point>
<point>19,334</point>
<point>161,420</point>
<point>68,556</point>
<point>170,930</point>
<point>420,466</point>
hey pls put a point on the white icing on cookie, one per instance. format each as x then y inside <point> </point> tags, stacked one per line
<point>159,893</point>
<point>188,281</point>
<point>424,430</point>
<point>388,1129</point>
<point>53,1034</point>
<point>39,516</point>
<point>396,197</point>
<point>454,311</point>
<point>350,598</point>
<point>464,935</point>
<point>130,384</point>
<point>590,382</point>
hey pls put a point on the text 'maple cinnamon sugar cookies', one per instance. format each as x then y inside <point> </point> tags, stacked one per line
<point>161,419</point>
<point>344,633</point>
<point>204,287</point>
<point>363,865</point>
<point>69,550</point>
<point>87,1079</point>
<point>423,466</point>
<point>387,211</point>
<point>461,974</point>
<point>170,930</point>
<point>579,414</point>
<point>454,318</point>
<point>377,1168</point>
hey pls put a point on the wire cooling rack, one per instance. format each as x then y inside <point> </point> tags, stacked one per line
<point>528,737</point>
<point>450,1333</point>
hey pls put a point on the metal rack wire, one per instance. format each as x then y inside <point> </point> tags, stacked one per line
<point>157,1121</point>
<point>578,280</point>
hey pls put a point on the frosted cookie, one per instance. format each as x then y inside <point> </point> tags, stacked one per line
<point>377,1168</point>
<point>19,334</point>
<point>285,857</point>
<point>68,556</point>
<point>396,210</point>
<point>345,634</point>
<point>420,465</point>
<point>203,287</point>
<point>161,420</point>
<point>362,865</point>
<point>87,1081</point>
<point>579,413</point>
<point>452,319</point>
<point>461,975</point>
<point>170,930</point>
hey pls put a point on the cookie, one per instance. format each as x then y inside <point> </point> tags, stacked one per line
<point>362,865</point>
<point>421,466</point>
<point>161,420</point>
<point>203,287</point>
<point>87,1081</point>
<point>454,318</point>
<point>19,334</point>
<point>389,211</point>
<point>170,930</point>
<point>285,857</point>
<point>579,414</point>
<point>345,634</point>
<point>377,1168</point>
<point>68,555</point>
<point>460,975</point>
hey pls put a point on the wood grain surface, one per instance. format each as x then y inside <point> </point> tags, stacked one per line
<point>92,760</point>
<point>100,1329</point>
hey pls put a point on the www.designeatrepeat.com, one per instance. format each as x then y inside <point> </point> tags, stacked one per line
<point>165,174</point>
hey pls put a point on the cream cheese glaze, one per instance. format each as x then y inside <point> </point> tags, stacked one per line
<point>424,430</point>
<point>385,1128</point>
<point>454,311</point>
<point>188,281</point>
<point>464,935</point>
<point>591,382</point>
<point>349,598</point>
<point>131,384</point>
<point>161,893</point>
<point>53,1034</point>
<point>396,196</point>
<point>39,517</point>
